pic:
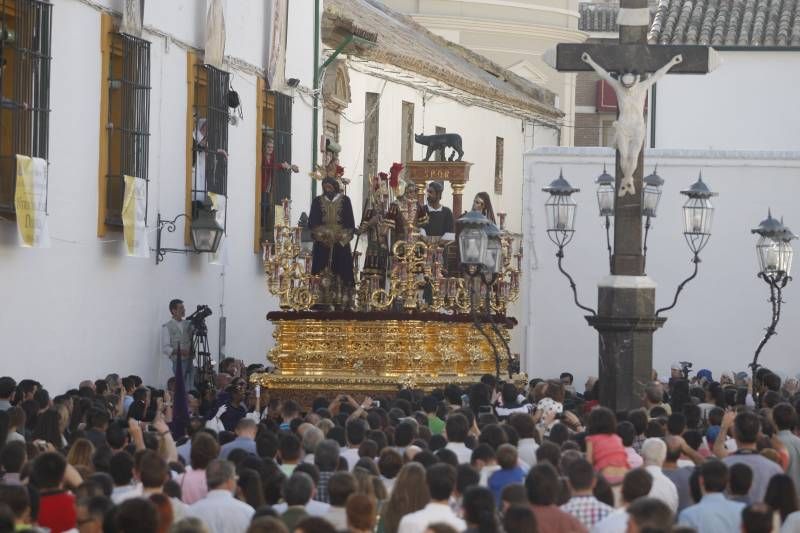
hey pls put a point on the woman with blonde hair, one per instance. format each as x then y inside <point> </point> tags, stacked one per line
<point>80,454</point>
<point>410,494</point>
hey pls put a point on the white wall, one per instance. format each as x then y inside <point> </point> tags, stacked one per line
<point>82,309</point>
<point>748,103</point>
<point>721,315</point>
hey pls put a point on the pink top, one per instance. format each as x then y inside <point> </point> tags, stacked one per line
<point>634,459</point>
<point>193,485</point>
<point>607,450</point>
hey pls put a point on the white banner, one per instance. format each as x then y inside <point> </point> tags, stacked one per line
<point>218,203</point>
<point>134,223</point>
<point>215,34</point>
<point>30,202</point>
<point>276,61</point>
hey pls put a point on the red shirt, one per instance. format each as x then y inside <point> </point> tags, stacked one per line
<point>57,511</point>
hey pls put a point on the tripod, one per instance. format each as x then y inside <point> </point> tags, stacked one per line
<point>204,379</point>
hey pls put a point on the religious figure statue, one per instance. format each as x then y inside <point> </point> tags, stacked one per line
<point>382,224</point>
<point>332,225</point>
<point>629,128</point>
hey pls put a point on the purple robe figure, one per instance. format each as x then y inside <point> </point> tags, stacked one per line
<point>332,225</point>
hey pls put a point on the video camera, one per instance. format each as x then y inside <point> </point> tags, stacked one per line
<point>686,367</point>
<point>198,318</point>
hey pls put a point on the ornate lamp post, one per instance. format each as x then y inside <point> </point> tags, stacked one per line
<point>481,260</point>
<point>205,231</point>
<point>605,204</point>
<point>560,209</point>
<point>698,214</point>
<point>651,195</point>
<point>774,250</point>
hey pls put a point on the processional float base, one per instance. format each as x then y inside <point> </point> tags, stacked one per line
<point>318,353</point>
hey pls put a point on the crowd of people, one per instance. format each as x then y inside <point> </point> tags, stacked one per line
<point>113,455</point>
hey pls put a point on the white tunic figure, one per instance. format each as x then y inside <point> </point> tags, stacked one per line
<point>629,128</point>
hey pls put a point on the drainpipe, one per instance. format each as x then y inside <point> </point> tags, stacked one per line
<point>314,123</point>
<point>653,117</point>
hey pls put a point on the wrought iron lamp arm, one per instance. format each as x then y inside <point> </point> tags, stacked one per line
<point>776,299</point>
<point>170,226</point>
<point>644,243</point>
<point>696,261</point>
<point>497,331</point>
<point>560,256</point>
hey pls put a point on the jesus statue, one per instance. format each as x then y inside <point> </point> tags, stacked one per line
<point>629,128</point>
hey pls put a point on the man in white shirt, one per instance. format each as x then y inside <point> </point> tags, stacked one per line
<point>340,487</point>
<point>355,431</point>
<point>654,452</point>
<point>527,445</point>
<point>219,510</point>
<point>441,480</point>
<point>456,429</point>
<point>176,341</point>
<point>637,484</point>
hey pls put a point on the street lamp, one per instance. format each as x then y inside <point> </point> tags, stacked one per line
<point>651,194</point>
<point>774,250</point>
<point>605,202</point>
<point>206,233</point>
<point>560,210</point>
<point>481,260</point>
<point>698,214</point>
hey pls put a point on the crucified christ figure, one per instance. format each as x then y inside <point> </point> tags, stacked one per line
<point>629,128</point>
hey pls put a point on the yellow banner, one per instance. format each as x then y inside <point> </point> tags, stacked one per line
<point>134,211</point>
<point>30,201</point>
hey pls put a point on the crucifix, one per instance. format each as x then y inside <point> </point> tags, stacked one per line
<point>626,299</point>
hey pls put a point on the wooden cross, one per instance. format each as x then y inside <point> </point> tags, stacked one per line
<point>631,55</point>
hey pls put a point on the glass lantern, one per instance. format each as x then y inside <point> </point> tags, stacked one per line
<point>774,248</point>
<point>560,209</point>
<point>473,239</point>
<point>605,193</point>
<point>698,215</point>
<point>493,260</point>
<point>206,231</point>
<point>651,193</point>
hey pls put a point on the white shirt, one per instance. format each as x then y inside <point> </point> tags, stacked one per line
<point>526,450</point>
<point>615,522</point>
<point>463,453</point>
<point>430,514</point>
<point>792,523</point>
<point>120,494</point>
<point>313,508</point>
<point>221,512</point>
<point>170,340</point>
<point>337,516</point>
<point>663,488</point>
<point>351,454</point>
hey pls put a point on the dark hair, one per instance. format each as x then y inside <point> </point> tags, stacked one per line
<point>580,474</point>
<point>602,420</point>
<point>466,476</point>
<point>636,483</point>
<point>757,518</point>
<point>654,430</point>
<point>48,428</point>
<point>785,416</point>
<point>7,387</point>
<point>340,486</point>
<point>650,513</point>
<point>676,423</point>
<point>314,524</point>
<point>404,433</point>
<point>493,435</point>
<point>638,417</point>
<point>447,456</point>
<point>542,484</point>
<point>136,515</point>
<point>740,478</point>
<point>389,463</point>
<point>548,452</point>
<point>507,456</point>
<point>355,431</point>
<point>479,509</point>
<point>249,483</point>
<point>16,497</point>
<point>520,519</point>
<point>523,424</point>
<point>297,489</point>
<point>559,434</point>
<point>714,474</point>
<point>289,447</point>
<point>781,495</point>
<point>441,480</point>
<point>772,381</point>
<point>121,468</point>
<point>361,511</point>
<point>153,470</point>
<point>48,470</point>
<point>12,457</point>
<point>204,450</point>
<point>173,304</point>
<point>456,427</point>
<point>747,425</point>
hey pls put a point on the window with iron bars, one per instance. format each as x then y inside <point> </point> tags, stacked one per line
<point>25,40</point>
<point>128,125</point>
<point>276,181</point>
<point>210,133</point>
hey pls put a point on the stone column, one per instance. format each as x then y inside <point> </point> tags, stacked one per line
<point>458,191</point>
<point>625,323</point>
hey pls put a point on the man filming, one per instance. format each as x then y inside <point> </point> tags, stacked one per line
<point>176,341</point>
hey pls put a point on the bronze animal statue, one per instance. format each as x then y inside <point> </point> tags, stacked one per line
<point>440,142</point>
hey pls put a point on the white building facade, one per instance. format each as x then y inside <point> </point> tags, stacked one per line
<point>721,314</point>
<point>82,308</point>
